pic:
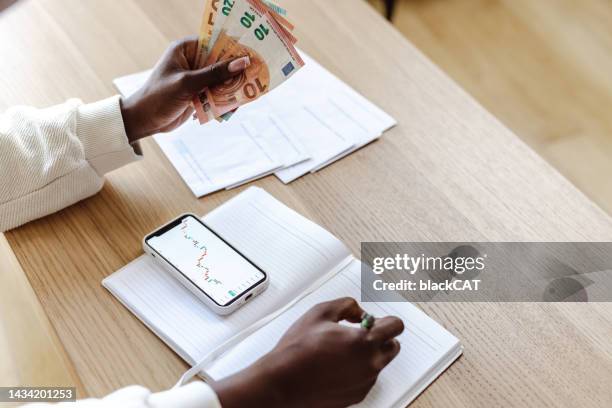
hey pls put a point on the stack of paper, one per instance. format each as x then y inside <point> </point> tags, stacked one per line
<point>302,126</point>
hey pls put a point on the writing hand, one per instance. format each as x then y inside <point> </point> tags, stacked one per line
<point>318,362</point>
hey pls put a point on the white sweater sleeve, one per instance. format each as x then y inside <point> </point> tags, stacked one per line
<point>52,158</point>
<point>194,395</point>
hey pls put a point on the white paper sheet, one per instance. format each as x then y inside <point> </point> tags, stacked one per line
<point>338,106</point>
<point>269,131</point>
<point>305,124</point>
<point>322,141</point>
<point>213,157</point>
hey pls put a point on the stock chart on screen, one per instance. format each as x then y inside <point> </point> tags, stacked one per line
<point>211,264</point>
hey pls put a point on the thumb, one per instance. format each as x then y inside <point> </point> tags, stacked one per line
<point>340,309</point>
<point>215,74</point>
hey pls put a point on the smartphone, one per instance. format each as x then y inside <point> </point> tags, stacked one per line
<point>206,264</point>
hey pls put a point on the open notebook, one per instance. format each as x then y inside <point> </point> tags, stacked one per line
<point>306,265</point>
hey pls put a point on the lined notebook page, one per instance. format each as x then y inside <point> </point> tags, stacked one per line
<point>427,348</point>
<point>292,250</point>
<point>277,239</point>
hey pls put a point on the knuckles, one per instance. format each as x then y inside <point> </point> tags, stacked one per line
<point>323,310</point>
<point>348,302</point>
<point>330,309</point>
<point>319,309</point>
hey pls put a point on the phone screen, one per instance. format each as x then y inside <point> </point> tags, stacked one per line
<point>221,272</point>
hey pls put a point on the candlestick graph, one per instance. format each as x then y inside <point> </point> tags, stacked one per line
<point>200,260</point>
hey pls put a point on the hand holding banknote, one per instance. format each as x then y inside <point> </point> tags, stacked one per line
<point>244,28</point>
<point>164,102</point>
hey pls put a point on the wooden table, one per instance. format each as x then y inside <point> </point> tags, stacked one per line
<point>449,171</point>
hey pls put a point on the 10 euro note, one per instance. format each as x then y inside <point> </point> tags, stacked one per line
<point>250,30</point>
<point>215,15</point>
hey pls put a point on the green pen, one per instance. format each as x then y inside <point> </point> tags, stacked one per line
<point>367,321</point>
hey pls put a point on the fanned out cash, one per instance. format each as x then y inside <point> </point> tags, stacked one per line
<point>238,28</point>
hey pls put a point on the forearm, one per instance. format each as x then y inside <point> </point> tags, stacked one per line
<point>136,121</point>
<point>52,158</point>
<point>257,384</point>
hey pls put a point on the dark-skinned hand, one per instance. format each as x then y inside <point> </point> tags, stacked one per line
<point>165,101</point>
<point>318,362</point>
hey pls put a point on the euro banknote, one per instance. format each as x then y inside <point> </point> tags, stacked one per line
<point>276,8</point>
<point>234,29</point>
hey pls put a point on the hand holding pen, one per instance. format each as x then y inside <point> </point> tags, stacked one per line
<point>306,362</point>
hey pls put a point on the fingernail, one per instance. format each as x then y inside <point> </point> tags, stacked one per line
<point>239,65</point>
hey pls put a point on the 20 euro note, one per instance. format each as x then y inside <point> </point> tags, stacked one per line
<point>223,19</point>
<point>253,32</point>
<point>206,31</point>
<point>217,11</point>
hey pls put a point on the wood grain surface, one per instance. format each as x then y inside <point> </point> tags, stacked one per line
<point>450,172</point>
<point>541,67</point>
<point>30,351</point>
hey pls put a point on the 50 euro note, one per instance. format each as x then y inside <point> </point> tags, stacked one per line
<point>252,31</point>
